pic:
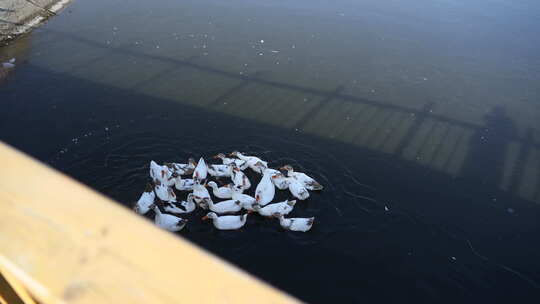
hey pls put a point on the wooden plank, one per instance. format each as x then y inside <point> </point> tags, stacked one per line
<point>68,244</point>
<point>17,287</point>
<point>12,292</point>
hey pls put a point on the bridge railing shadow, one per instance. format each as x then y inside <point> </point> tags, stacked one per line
<point>492,152</point>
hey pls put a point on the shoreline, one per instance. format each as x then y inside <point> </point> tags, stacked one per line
<point>21,16</point>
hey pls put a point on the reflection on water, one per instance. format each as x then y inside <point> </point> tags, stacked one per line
<point>422,126</point>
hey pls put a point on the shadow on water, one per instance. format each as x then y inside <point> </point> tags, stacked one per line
<point>488,147</point>
<point>436,242</point>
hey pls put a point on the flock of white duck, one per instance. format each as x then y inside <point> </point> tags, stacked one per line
<point>160,196</point>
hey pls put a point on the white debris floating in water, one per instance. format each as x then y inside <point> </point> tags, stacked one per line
<point>231,212</point>
<point>9,64</point>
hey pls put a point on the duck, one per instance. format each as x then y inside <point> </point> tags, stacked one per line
<point>228,206</point>
<point>240,179</point>
<point>164,192</point>
<point>221,192</point>
<point>278,179</point>
<point>308,182</point>
<point>297,189</point>
<point>265,191</point>
<point>201,170</point>
<point>187,206</point>
<point>250,160</point>
<point>183,184</point>
<point>227,222</point>
<point>220,170</point>
<point>161,174</point>
<point>246,200</point>
<point>295,224</point>
<point>183,169</point>
<point>200,194</point>
<point>168,221</point>
<point>241,164</point>
<point>270,210</point>
<point>142,206</point>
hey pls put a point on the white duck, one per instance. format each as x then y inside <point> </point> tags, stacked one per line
<point>226,222</point>
<point>308,182</point>
<point>250,160</point>
<point>221,192</point>
<point>201,170</point>
<point>168,221</point>
<point>220,170</point>
<point>246,200</point>
<point>200,193</point>
<point>228,206</point>
<point>188,206</point>
<point>183,169</point>
<point>183,184</point>
<point>164,193</point>
<point>240,179</point>
<point>296,223</point>
<point>279,180</point>
<point>142,206</point>
<point>265,191</point>
<point>269,210</point>
<point>241,164</point>
<point>161,174</point>
<point>297,189</point>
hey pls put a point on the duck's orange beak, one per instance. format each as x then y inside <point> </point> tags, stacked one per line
<point>204,218</point>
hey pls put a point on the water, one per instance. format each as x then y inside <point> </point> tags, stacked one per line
<point>421,120</point>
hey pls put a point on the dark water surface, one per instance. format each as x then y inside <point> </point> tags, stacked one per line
<point>427,108</point>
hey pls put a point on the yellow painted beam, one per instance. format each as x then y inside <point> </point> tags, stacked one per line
<point>68,244</point>
<point>12,291</point>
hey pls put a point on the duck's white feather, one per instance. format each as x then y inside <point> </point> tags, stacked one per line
<point>297,189</point>
<point>168,221</point>
<point>229,222</point>
<point>201,170</point>
<point>142,206</point>
<point>228,206</point>
<point>282,208</point>
<point>165,193</point>
<point>265,191</point>
<point>221,192</point>
<point>297,223</point>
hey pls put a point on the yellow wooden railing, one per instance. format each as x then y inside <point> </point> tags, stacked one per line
<point>64,243</point>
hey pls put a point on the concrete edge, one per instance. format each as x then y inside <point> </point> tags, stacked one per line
<point>36,16</point>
